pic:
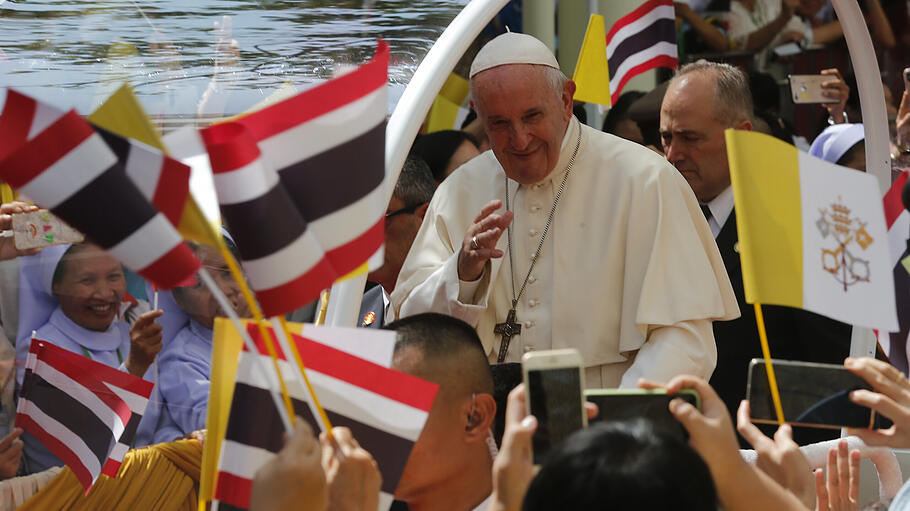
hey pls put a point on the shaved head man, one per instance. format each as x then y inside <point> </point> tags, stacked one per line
<point>450,465</point>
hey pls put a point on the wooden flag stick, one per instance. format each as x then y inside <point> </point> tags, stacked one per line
<point>285,340</point>
<point>323,307</point>
<point>769,368</point>
<point>285,412</point>
<point>257,316</point>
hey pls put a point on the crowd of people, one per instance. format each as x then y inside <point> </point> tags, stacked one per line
<point>527,230</point>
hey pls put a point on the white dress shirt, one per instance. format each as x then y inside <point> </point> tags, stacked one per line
<point>720,207</point>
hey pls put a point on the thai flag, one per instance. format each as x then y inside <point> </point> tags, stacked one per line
<point>22,119</point>
<point>639,41</point>
<point>68,168</point>
<point>385,410</point>
<point>283,260</point>
<point>897,218</point>
<point>132,390</point>
<point>327,145</point>
<point>162,180</point>
<point>70,410</point>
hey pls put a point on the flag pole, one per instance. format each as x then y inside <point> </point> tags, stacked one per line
<point>257,316</point>
<point>260,322</point>
<point>285,410</point>
<point>284,339</point>
<point>769,368</point>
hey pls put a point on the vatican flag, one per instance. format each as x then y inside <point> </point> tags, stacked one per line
<point>811,234</point>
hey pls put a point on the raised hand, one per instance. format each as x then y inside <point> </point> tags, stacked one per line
<point>835,88</point>
<point>8,248</point>
<point>513,467</point>
<point>10,454</point>
<point>352,474</point>
<point>838,485</point>
<point>890,397</point>
<point>479,245</point>
<point>293,480</point>
<point>780,458</point>
<point>145,343</point>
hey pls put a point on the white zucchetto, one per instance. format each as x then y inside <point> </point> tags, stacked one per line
<point>512,48</point>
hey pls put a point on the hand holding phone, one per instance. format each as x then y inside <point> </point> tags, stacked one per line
<point>554,381</point>
<point>814,395</point>
<point>779,457</point>
<point>8,248</point>
<point>889,395</point>
<point>650,404</point>
<point>41,228</point>
<point>809,89</point>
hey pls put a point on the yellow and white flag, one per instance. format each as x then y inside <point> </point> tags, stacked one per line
<point>811,234</point>
<point>450,107</point>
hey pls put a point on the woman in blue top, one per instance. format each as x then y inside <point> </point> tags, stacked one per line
<point>185,363</point>
<point>89,286</point>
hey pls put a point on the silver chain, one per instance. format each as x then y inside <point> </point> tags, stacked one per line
<point>546,228</point>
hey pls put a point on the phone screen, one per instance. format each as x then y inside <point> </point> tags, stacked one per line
<point>810,394</point>
<point>653,407</point>
<point>555,397</point>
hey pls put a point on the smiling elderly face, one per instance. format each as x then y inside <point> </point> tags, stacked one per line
<point>90,286</point>
<point>524,116</point>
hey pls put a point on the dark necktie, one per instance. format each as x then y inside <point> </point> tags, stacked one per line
<point>706,210</point>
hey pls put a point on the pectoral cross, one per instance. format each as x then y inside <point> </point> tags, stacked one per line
<point>508,329</point>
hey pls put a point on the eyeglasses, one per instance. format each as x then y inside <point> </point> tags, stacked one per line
<point>407,209</point>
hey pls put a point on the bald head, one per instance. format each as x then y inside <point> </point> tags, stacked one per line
<point>703,100</point>
<point>443,350</point>
<point>726,85</point>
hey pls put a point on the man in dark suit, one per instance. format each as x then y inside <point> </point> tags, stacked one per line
<point>403,217</point>
<point>703,100</point>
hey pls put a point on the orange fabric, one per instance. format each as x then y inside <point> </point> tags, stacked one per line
<point>161,477</point>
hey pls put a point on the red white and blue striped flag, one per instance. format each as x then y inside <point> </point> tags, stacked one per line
<point>67,167</point>
<point>162,180</point>
<point>132,390</point>
<point>327,146</point>
<point>640,41</point>
<point>384,409</point>
<point>68,408</point>
<point>283,260</point>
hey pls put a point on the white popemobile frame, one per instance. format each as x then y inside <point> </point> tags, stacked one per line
<point>441,59</point>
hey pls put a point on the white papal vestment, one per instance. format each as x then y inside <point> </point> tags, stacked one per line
<point>629,273</point>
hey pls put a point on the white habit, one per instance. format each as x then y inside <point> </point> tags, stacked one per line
<point>629,274</point>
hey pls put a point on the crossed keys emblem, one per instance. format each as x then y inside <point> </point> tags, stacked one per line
<point>846,231</point>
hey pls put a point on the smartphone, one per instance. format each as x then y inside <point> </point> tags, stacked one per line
<point>649,404</point>
<point>553,381</point>
<point>37,229</point>
<point>808,89</point>
<point>814,395</point>
<point>906,75</point>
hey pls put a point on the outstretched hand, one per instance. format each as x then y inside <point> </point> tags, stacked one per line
<point>838,485</point>
<point>780,458</point>
<point>513,467</point>
<point>479,244</point>
<point>890,396</point>
<point>836,88</point>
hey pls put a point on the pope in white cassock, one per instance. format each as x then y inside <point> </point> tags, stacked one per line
<point>601,246</point>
